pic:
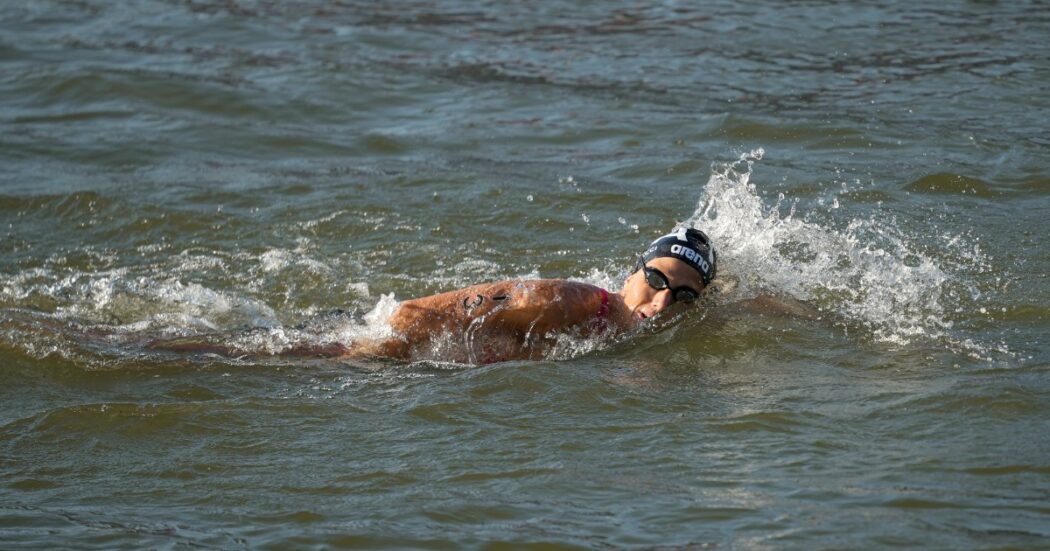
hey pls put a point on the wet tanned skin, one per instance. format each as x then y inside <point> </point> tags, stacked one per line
<point>525,312</point>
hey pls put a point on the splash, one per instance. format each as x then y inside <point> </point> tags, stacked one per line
<point>60,310</point>
<point>867,273</point>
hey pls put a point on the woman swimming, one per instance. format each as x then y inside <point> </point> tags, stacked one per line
<point>507,320</point>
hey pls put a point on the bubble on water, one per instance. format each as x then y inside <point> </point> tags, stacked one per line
<point>586,219</point>
<point>528,197</point>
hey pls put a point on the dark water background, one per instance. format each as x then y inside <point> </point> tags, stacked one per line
<point>178,168</point>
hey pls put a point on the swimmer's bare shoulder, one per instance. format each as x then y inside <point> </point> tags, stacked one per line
<point>508,308</point>
<point>533,305</point>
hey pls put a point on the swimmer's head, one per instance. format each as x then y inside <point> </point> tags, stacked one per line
<point>689,245</point>
<point>675,268</point>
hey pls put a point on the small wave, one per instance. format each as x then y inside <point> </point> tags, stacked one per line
<point>953,184</point>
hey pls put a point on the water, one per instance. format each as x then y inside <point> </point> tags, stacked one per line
<point>871,374</point>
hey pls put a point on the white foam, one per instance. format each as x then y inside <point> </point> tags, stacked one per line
<point>276,260</point>
<point>376,321</point>
<point>311,224</point>
<point>606,279</point>
<point>867,273</point>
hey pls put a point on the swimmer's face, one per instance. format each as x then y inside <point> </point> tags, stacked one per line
<point>644,301</point>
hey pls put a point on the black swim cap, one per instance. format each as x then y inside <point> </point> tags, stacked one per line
<point>689,245</point>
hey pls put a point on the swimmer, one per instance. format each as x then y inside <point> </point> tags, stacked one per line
<point>509,320</point>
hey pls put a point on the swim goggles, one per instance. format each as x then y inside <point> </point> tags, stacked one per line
<point>657,280</point>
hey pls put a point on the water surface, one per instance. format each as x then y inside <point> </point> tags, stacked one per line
<point>243,169</point>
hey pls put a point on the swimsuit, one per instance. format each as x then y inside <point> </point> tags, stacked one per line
<point>603,311</point>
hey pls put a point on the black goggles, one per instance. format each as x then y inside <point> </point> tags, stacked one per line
<point>657,280</point>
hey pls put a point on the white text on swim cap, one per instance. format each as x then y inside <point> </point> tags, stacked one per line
<point>691,256</point>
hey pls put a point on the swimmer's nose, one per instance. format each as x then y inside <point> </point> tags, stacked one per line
<point>661,300</point>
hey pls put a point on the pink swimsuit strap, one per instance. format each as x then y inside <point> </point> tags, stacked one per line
<point>603,310</point>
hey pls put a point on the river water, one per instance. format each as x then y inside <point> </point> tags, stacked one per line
<point>871,373</point>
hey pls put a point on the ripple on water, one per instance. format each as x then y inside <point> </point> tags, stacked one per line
<point>98,423</point>
<point>952,184</point>
<point>769,421</point>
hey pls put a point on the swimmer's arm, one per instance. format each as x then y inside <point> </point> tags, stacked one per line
<point>534,307</point>
<point>549,306</point>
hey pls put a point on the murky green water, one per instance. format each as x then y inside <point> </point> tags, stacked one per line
<point>243,169</point>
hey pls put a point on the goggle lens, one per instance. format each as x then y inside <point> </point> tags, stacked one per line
<point>685,295</point>
<point>657,280</point>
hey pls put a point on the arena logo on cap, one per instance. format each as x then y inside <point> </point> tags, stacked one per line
<point>691,256</point>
